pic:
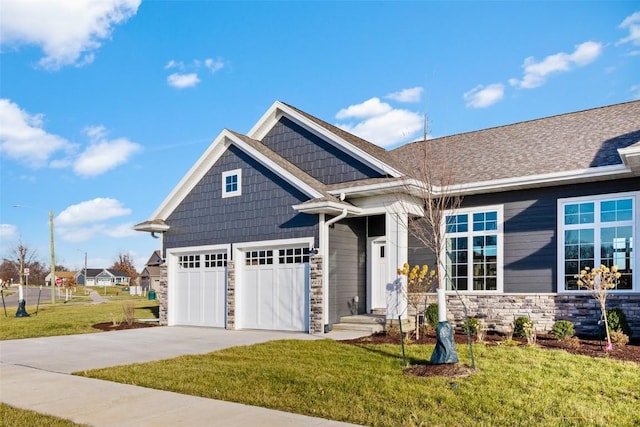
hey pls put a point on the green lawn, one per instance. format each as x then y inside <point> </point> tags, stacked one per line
<point>70,318</point>
<point>514,386</point>
<point>10,416</point>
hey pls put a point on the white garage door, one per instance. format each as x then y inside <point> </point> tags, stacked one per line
<point>274,289</point>
<point>200,290</point>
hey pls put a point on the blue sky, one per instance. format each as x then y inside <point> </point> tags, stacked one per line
<point>105,105</point>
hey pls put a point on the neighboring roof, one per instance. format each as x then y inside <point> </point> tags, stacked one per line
<point>150,271</point>
<point>554,145</point>
<point>92,272</point>
<point>155,259</point>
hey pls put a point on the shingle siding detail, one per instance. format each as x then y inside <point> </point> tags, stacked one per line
<point>312,154</point>
<point>263,211</point>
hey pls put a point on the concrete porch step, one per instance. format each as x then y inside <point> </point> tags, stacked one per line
<point>363,322</point>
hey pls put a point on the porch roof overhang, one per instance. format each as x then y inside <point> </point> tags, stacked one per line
<point>152,226</point>
<point>331,207</point>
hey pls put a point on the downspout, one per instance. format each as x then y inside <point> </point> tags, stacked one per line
<point>325,251</point>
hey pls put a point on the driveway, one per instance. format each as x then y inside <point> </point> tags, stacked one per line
<point>35,376</point>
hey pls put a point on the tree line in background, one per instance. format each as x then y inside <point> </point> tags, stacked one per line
<point>22,257</point>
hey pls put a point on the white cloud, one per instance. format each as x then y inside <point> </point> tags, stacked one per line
<point>186,79</point>
<point>182,81</point>
<point>23,138</point>
<point>68,32</point>
<point>536,73</point>
<point>369,108</point>
<point>8,232</point>
<point>482,97</point>
<point>88,219</point>
<point>121,231</point>
<point>91,211</point>
<point>413,94</point>
<point>103,155</point>
<point>380,123</point>
<point>635,91</point>
<point>214,64</point>
<point>632,24</point>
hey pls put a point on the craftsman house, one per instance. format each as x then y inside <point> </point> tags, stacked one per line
<point>299,223</point>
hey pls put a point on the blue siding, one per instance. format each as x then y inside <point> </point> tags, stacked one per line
<point>262,212</point>
<point>530,240</point>
<point>312,154</point>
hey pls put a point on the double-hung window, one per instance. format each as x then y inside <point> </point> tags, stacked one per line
<point>474,249</point>
<point>597,230</point>
<point>232,183</point>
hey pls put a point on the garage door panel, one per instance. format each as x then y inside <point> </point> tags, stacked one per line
<point>200,290</point>
<point>274,289</point>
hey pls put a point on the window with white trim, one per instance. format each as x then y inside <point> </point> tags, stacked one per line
<point>473,249</point>
<point>597,230</point>
<point>232,183</point>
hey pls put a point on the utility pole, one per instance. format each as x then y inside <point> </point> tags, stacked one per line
<point>53,260</point>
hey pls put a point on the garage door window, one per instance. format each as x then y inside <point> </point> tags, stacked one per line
<point>293,256</point>
<point>215,260</point>
<point>189,261</point>
<point>259,257</point>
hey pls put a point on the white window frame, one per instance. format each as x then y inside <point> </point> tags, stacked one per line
<point>597,225</point>
<point>499,232</point>
<point>236,192</point>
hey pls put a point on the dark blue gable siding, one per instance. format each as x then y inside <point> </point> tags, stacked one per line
<point>312,154</point>
<point>530,231</point>
<point>262,212</point>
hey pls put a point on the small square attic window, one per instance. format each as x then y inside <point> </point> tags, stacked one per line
<point>232,183</point>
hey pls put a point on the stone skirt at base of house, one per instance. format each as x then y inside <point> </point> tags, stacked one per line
<point>498,312</point>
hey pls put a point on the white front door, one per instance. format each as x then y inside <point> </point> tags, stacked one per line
<point>379,274</point>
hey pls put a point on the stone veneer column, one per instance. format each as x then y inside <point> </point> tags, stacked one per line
<point>316,312</point>
<point>162,296</point>
<point>231,295</point>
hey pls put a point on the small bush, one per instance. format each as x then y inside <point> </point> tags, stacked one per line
<point>572,342</point>
<point>521,325</point>
<point>128,313</point>
<point>563,329</point>
<point>431,315</point>
<point>472,325</point>
<point>619,339</point>
<point>618,321</point>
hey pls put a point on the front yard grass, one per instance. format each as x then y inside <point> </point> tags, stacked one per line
<point>69,319</point>
<point>10,416</point>
<point>365,385</point>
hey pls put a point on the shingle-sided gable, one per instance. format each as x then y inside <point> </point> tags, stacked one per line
<point>313,154</point>
<point>553,145</point>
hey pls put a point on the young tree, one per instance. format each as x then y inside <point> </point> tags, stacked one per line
<point>598,281</point>
<point>125,264</point>
<point>433,179</point>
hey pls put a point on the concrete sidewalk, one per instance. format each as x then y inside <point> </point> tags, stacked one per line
<point>35,375</point>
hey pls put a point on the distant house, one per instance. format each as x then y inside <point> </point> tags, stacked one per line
<point>299,224</point>
<point>92,274</point>
<point>68,278</point>
<point>111,277</point>
<point>150,276</point>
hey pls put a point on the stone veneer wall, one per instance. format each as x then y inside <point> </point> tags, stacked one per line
<point>231,295</point>
<point>499,311</point>
<point>316,318</point>
<point>162,296</point>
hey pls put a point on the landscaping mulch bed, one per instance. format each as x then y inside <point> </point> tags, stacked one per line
<point>109,326</point>
<point>585,346</point>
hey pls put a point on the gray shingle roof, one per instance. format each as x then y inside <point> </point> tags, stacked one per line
<point>573,141</point>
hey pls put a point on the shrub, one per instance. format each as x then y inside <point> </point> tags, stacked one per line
<point>520,326</point>
<point>472,325</point>
<point>563,329</point>
<point>619,339</point>
<point>618,321</point>
<point>128,313</point>
<point>572,342</point>
<point>431,315</point>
